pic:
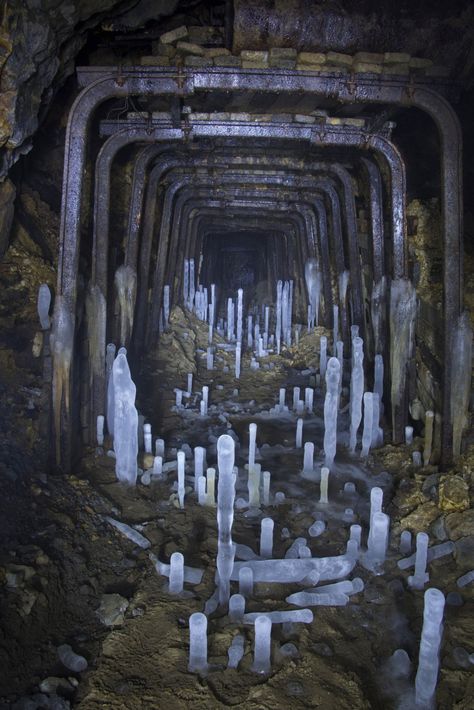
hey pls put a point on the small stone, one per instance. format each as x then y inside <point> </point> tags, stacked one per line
<point>283,53</point>
<point>339,59</point>
<point>396,69</point>
<point>282,63</point>
<point>212,52</point>
<point>367,68</point>
<point>111,610</point>
<point>172,36</point>
<point>438,529</point>
<point>153,60</point>
<point>206,35</point>
<point>302,118</point>
<point>464,552</point>
<point>250,55</point>
<point>396,57</point>
<point>420,63</point>
<point>312,58</point>
<point>227,61</point>
<point>453,494</point>
<point>310,67</point>
<point>368,57</point>
<point>163,50</point>
<point>247,64</point>
<point>460,524</point>
<point>190,48</point>
<point>52,685</point>
<point>193,61</point>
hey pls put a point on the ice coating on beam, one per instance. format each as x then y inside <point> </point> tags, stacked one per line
<point>62,344</point>
<point>125,422</point>
<point>331,404</point>
<point>357,390</point>
<point>126,287</point>
<point>461,368</point>
<point>294,570</point>
<point>43,306</point>
<point>313,278</point>
<point>402,328</point>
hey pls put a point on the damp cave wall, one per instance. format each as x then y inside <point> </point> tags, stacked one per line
<point>40,47</point>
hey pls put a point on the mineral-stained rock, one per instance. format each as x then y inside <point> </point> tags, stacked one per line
<point>464,552</point>
<point>453,494</point>
<point>420,519</point>
<point>111,610</point>
<point>460,524</point>
<point>7,197</point>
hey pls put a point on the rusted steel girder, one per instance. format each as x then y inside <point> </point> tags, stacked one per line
<point>152,81</point>
<point>102,177</point>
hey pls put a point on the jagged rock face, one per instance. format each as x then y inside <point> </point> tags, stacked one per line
<point>39,40</point>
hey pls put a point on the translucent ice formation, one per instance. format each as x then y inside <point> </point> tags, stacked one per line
<point>299,433</point>
<point>70,660</point>
<point>313,278</point>
<point>125,422</point>
<point>308,457</point>
<point>62,343</point>
<point>181,471</point>
<point>323,345</point>
<point>176,578</point>
<point>246,581</point>
<point>197,643</point>
<point>309,599</point>
<point>331,403</point>
<point>368,424</point>
<point>126,288</point>
<point>357,390</point>
<point>402,325</point>
<point>377,542</point>
<point>262,648</point>
<point>428,443</point>
<point>461,368</point>
<point>465,579</point>
<point>236,651</point>
<point>428,659</point>
<point>100,430</point>
<point>236,607</point>
<point>419,579</point>
<point>129,532</point>
<point>303,616</point>
<point>225,514</point>
<point>323,495</point>
<point>266,538</point>
<point>44,303</point>
<point>294,570</point>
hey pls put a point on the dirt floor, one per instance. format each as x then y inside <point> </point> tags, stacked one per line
<point>64,570</point>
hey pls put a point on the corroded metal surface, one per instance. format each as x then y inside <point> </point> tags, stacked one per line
<point>356,89</point>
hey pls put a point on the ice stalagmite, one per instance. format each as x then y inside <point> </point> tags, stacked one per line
<point>197,643</point>
<point>461,367</point>
<point>126,287</point>
<point>313,278</point>
<point>225,514</point>
<point>44,303</point>
<point>331,400</point>
<point>109,363</point>
<point>402,327</point>
<point>125,422</point>
<point>428,659</point>
<point>62,343</point>
<point>357,390</point>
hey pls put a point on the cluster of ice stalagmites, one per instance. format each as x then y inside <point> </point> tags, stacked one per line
<point>319,581</point>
